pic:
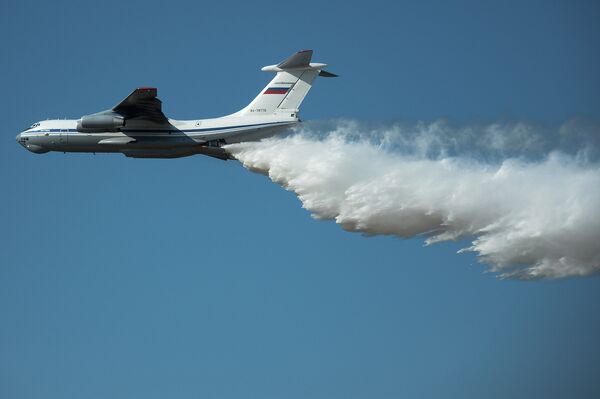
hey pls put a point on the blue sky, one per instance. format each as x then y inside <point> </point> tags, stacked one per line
<point>192,277</point>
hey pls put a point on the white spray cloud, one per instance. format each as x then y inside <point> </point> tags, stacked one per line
<point>529,214</point>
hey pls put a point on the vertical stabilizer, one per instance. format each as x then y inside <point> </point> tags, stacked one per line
<point>285,93</point>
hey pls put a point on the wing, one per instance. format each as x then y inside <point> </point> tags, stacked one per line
<point>142,104</point>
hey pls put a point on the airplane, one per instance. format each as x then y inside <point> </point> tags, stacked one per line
<point>137,127</point>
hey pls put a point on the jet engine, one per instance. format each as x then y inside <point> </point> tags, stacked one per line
<point>102,122</point>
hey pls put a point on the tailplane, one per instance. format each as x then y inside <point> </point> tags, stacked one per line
<point>284,94</point>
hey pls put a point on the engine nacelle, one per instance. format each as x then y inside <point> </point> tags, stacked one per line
<point>103,122</point>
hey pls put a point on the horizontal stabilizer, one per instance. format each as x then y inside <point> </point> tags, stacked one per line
<point>326,74</point>
<point>297,61</point>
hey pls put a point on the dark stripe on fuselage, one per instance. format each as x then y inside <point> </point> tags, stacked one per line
<point>166,130</point>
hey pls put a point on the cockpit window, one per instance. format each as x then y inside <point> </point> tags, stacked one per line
<point>32,126</point>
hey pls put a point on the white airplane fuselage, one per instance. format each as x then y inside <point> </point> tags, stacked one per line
<point>137,127</point>
<point>181,138</point>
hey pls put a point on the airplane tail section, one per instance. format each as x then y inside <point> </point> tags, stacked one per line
<point>284,94</point>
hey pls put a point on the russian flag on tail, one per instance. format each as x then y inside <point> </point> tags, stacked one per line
<point>276,90</point>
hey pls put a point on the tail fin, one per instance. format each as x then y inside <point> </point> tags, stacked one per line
<point>285,92</point>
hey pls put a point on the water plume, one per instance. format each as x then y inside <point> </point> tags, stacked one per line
<point>527,199</point>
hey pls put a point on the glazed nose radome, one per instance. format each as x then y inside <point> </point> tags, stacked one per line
<point>29,146</point>
<point>21,140</point>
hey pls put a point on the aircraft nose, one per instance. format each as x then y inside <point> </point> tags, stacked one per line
<point>21,140</point>
<point>31,145</point>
